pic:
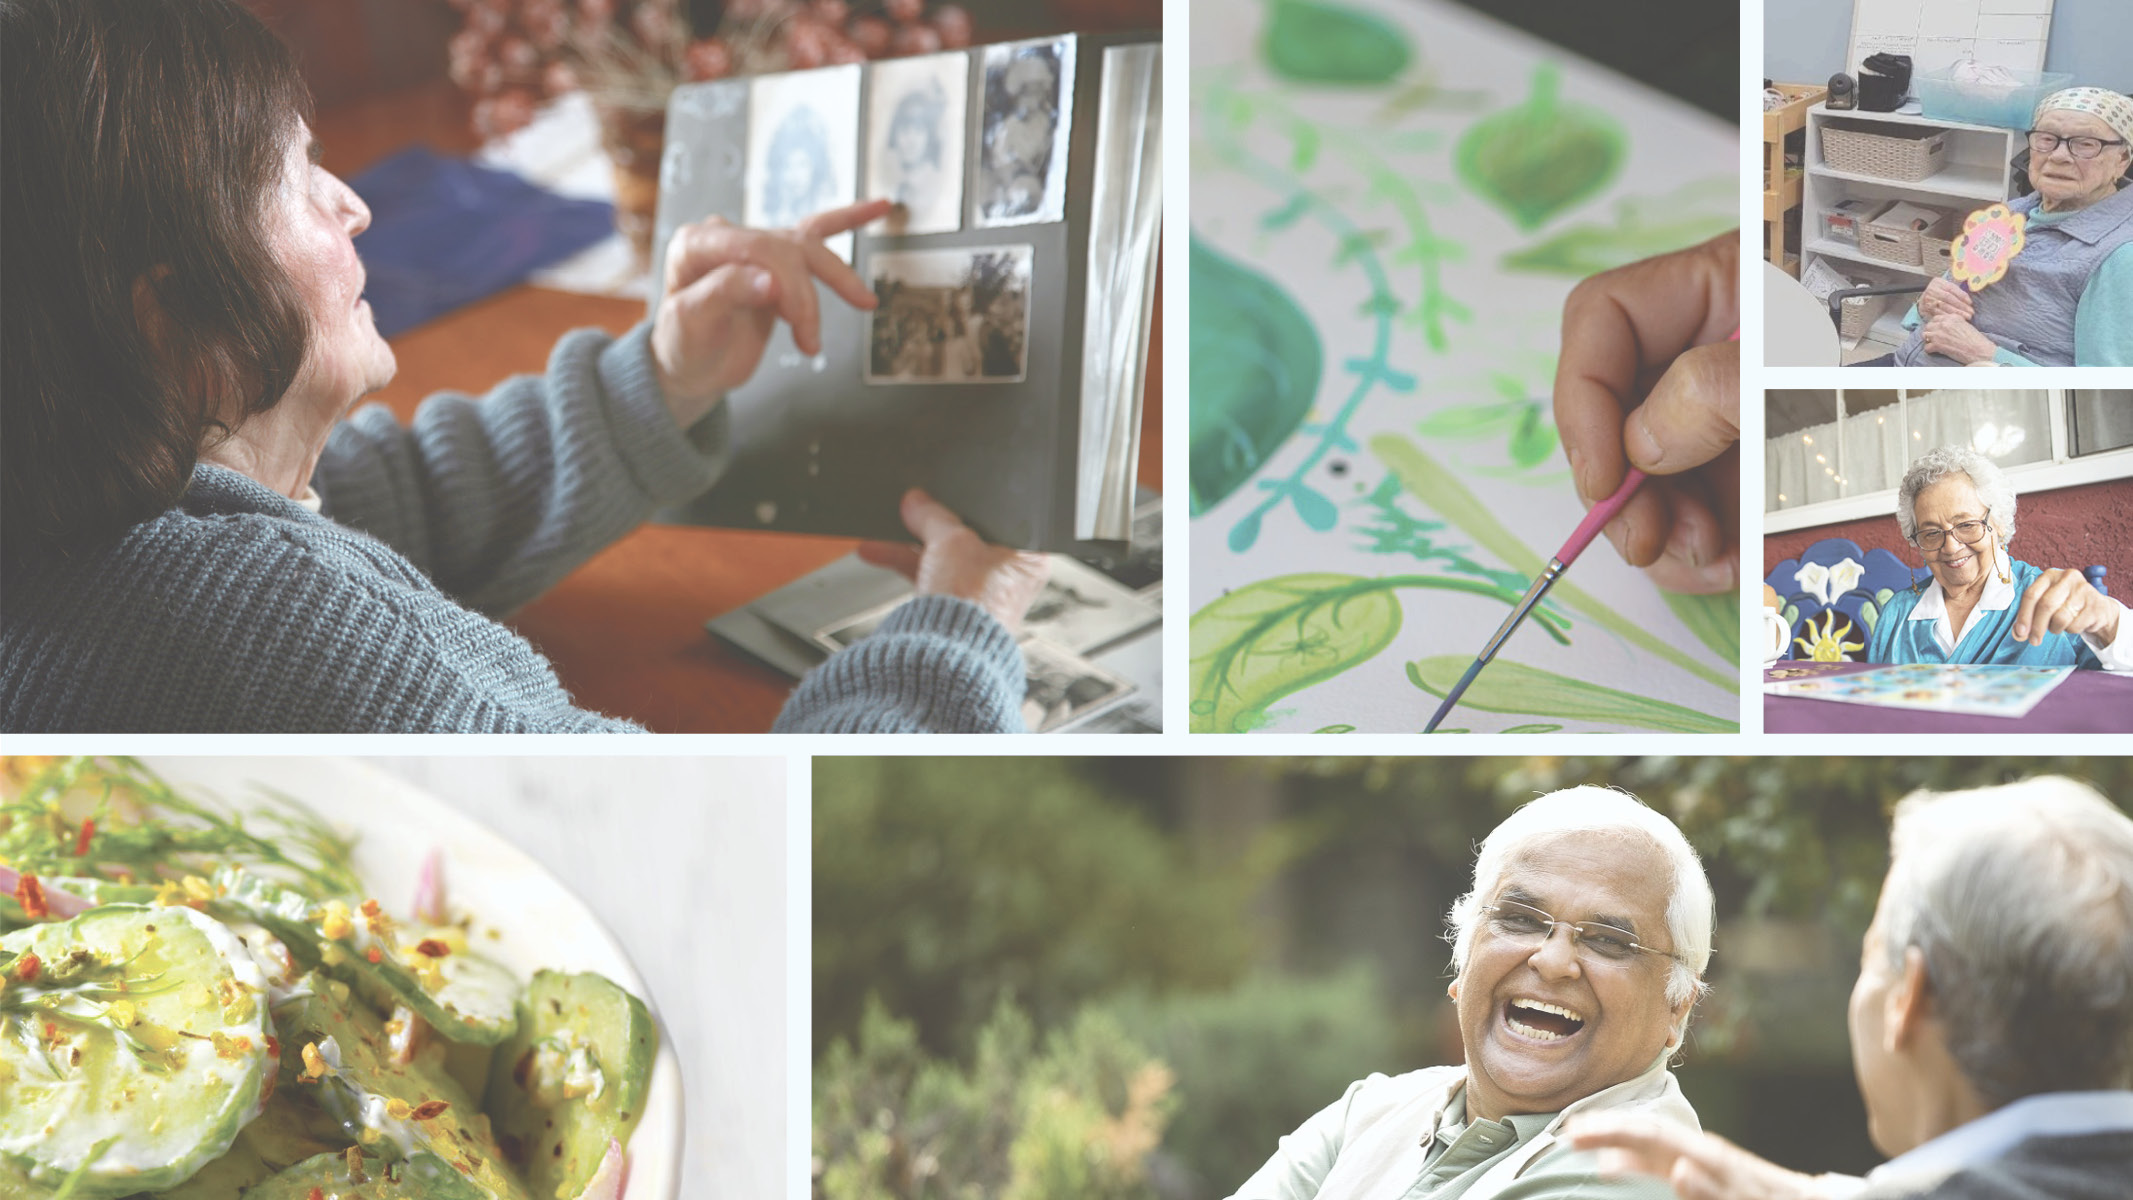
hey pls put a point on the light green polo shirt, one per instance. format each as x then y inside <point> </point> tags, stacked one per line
<point>1445,1167</point>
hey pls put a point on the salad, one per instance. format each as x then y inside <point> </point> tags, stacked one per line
<point>203,1003</point>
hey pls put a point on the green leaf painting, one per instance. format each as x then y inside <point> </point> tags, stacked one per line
<point>1643,227</point>
<point>1266,640</point>
<point>1263,641</point>
<point>1714,619</point>
<point>1255,370</point>
<point>1429,482</point>
<point>1512,687</point>
<point>1310,41</point>
<point>1541,157</point>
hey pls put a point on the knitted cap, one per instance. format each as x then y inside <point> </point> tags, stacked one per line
<point>2114,109</point>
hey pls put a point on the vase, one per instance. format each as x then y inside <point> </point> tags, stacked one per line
<point>633,138</point>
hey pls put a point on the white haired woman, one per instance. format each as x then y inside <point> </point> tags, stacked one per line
<point>2067,298</point>
<point>1956,507</point>
<point>1579,955</point>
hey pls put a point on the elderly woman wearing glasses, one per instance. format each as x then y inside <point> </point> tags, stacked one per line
<point>1982,606</point>
<point>2067,298</point>
<point>1578,956</point>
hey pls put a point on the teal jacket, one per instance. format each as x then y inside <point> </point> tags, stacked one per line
<point>1905,634</point>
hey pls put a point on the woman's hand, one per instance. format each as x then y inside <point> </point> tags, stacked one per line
<point>2061,601</point>
<point>1945,297</point>
<point>1648,342</point>
<point>953,561</point>
<point>727,285</point>
<point>1955,337</point>
<point>1697,1165</point>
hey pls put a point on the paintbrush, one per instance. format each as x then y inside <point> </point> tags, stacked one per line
<point>1582,536</point>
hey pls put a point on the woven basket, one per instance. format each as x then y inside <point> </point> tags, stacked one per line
<point>1859,314</point>
<point>1935,254</point>
<point>1907,157</point>
<point>1889,243</point>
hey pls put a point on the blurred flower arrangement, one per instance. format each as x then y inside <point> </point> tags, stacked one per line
<point>513,55</point>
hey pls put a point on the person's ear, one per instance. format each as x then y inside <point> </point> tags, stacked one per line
<point>1680,1021</point>
<point>1909,1003</point>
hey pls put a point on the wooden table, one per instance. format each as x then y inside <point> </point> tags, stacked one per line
<point>626,630</point>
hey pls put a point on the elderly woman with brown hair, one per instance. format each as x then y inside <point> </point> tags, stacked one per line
<point>195,538</point>
<point>2067,298</point>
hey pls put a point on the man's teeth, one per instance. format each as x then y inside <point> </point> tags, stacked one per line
<point>1531,1031</point>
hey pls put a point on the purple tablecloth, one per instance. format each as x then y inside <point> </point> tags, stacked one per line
<point>2087,702</point>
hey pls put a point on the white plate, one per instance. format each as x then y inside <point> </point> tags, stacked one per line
<point>538,922</point>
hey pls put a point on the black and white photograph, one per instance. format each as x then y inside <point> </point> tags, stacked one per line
<point>803,148</point>
<point>1064,687</point>
<point>1081,610</point>
<point>949,316</point>
<point>915,121</point>
<point>1029,90</point>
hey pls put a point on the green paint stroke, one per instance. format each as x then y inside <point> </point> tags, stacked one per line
<point>1263,641</point>
<point>1436,487</point>
<point>1310,41</point>
<point>1511,687</point>
<point>1543,156</point>
<point>1255,368</point>
<point>1714,619</point>
<point>1644,226</point>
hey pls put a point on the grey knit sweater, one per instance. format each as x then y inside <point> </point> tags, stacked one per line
<point>241,610</point>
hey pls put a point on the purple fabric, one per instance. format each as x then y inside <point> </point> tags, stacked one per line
<point>2087,702</point>
<point>445,233</point>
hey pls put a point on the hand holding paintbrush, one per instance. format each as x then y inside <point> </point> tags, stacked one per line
<point>1648,379</point>
<point>1650,340</point>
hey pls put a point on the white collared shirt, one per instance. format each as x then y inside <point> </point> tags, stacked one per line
<point>2116,654</point>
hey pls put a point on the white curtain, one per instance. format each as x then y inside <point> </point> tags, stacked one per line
<point>1804,467</point>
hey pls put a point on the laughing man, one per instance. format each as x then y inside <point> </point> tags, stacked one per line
<point>1578,956</point>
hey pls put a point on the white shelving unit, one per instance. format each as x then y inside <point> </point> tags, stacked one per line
<point>1978,171</point>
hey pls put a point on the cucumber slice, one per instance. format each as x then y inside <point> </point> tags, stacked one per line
<point>350,1073</point>
<point>285,1133</point>
<point>573,1077</point>
<point>144,1087</point>
<point>464,996</point>
<point>373,1179</point>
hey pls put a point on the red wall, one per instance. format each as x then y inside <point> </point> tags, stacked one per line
<point>2079,526</point>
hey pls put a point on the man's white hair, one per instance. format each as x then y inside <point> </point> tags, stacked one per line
<point>1689,913</point>
<point>2021,899</point>
<point>1935,465</point>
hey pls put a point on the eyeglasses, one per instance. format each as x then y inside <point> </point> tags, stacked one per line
<point>2042,144</point>
<point>1525,925</point>
<point>1969,533</point>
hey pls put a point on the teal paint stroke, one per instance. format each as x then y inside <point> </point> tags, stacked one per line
<point>1226,115</point>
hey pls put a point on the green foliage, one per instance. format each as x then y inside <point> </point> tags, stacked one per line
<point>1074,1115</point>
<point>944,884</point>
<point>1794,836</point>
<point>1714,619</point>
<point>1254,1061</point>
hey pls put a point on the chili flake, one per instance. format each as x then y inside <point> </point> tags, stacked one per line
<point>433,947</point>
<point>27,969</point>
<point>430,1110</point>
<point>30,895</point>
<point>81,843</point>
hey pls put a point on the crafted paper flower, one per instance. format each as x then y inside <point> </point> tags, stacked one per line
<point>1990,240</point>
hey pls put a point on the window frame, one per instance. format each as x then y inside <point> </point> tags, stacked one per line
<point>2058,471</point>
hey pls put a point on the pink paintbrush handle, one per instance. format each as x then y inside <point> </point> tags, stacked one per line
<point>1597,519</point>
